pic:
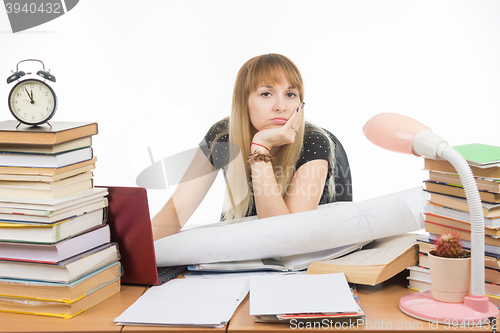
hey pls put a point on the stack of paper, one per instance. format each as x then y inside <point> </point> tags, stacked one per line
<point>187,302</point>
<point>285,297</point>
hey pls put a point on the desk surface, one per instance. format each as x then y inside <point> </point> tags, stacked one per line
<point>380,304</point>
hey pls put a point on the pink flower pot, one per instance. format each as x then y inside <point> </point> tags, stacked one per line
<point>450,278</point>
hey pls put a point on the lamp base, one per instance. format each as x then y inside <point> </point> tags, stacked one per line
<point>422,306</point>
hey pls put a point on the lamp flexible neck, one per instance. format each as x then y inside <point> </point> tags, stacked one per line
<point>477,218</point>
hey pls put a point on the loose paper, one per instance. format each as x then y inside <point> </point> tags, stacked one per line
<point>183,302</point>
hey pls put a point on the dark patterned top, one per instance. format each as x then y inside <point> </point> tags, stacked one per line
<point>315,147</point>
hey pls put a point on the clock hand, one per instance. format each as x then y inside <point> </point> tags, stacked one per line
<point>31,98</point>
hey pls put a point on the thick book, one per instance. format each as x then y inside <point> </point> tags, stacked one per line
<point>458,191</point>
<point>67,187</point>
<point>49,207</point>
<point>47,149</point>
<point>27,215</point>
<point>59,160</point>
<point>61,292</point>
<point>454,214</point>
<point>493,232</point>
<point>478,154</point>
<point>55,253</point>
<point>483,184</point>
<point>489,262</point>
<point>491,255</point>
<point>489,210</point>
<point>48,193</point>
<point>53,190</point>
<point>283,264</point>
<point>375,263</point>
<point>61,131</point>
<point>45,174</point>
<point>50,233</point>
<point>59,309</point>
<point>491,275</point>
<point>464,234</point>
<point>66,271</point>
<point>22,184</point>
<point>445,166</point>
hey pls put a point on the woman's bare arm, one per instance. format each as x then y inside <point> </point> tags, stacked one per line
<point>303,193</point>
<point>188,195</point>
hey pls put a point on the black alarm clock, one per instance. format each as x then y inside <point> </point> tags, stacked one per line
<point>32,101</point>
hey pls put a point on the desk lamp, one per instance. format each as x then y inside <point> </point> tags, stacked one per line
<point>402,134</point>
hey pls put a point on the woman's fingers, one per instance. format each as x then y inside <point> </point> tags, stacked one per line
<point>299,115</point>
<point>293,122</point>
<point>293,117</point>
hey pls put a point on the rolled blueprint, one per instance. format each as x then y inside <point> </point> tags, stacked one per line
<point>329,226</point>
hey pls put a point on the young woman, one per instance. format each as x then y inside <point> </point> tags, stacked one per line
<point>274,162</point>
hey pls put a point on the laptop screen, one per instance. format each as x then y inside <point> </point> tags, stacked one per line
<point>130,226</point>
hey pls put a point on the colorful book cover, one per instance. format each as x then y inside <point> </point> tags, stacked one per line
<point>479,154</point>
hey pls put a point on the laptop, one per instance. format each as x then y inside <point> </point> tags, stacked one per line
<point>130,226</point>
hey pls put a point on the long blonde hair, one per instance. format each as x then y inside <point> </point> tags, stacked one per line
<point>267,69</point>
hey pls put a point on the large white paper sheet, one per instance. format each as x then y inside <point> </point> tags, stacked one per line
<point>183,302</point>
<point>329,226</point>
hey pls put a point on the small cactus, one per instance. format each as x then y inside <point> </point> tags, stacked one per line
<point>449,245</point>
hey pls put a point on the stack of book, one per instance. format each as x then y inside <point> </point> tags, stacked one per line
<point>447,209</point>
<point>56,257</point>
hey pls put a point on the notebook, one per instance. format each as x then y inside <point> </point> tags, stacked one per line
<point>130,226</point>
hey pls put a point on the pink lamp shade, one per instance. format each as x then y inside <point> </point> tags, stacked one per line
<point>393,132</point>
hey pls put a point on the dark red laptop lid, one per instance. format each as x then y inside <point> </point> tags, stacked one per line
<point>130,226</point>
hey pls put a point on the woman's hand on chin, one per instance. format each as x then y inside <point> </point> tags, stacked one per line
<point>279,136</point>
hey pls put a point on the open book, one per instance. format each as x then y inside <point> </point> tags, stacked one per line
<point>289,263</point>
<point>377,262</point>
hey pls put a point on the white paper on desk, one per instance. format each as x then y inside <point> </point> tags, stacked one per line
<point>329,226</point>
<point>187,302</point>
<point>324,293</point>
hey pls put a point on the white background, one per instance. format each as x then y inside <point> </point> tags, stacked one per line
<point>159,73</point>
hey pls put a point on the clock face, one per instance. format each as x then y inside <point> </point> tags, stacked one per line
<point>32,102</point>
